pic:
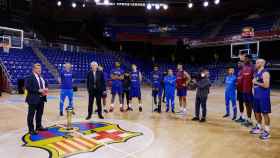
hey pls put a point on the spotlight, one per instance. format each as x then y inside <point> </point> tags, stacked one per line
<point>96,1</point>
<point>84,5</point>
<point>205,3</point>
<point>74,5</point>
<point>58,3</point>
<point>157,6</point>
<point>165,7</point>
<point>149,6</point>
<point>217,2</point>
<point>106,2</point>
<point>190,5</point>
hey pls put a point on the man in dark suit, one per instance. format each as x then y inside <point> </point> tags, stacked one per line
<point>95,86</point>
<point>37,90</point>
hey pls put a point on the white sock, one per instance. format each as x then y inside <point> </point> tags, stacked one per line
<point>140,105</point>
<point>121,105</point>
<point>259,126</point>
<point>242,115</point>
<point>267,128</point>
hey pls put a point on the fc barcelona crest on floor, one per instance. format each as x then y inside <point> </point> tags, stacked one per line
<point>84,137</point>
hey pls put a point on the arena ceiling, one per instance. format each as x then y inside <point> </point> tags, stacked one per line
<point>178,9</point>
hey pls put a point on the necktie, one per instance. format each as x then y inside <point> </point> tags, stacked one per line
<point>40,82</point>
<point>94,79</point>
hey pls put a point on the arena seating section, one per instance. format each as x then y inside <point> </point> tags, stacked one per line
<point>19,63</point>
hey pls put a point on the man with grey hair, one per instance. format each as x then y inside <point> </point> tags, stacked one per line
<point>37,91</point>
<point>262,104</point>
<point>96,87</point>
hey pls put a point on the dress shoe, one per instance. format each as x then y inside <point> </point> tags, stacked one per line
<point>100,117</point>
<point>41,129</point>
<point>88,118</point>
<point>33,132</point>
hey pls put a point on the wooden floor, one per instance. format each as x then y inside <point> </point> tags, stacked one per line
<point>173,136</point>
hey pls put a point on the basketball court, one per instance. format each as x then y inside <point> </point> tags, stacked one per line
<point>144,134</point>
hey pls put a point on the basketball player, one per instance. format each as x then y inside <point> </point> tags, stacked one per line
<point>262,105</point>
<point>170,86</point>
<point>247,73</point>
<point>135,88</point>
<point>66,85</point>
<point>239,93</point>
<point>182,80</point>
<point>117,87</point>
<point>230,96</point>
<point>157,88</point>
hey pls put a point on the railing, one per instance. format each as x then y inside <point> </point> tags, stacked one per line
<point>6,82</point>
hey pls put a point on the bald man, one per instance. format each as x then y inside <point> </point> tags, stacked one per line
<point>262,105</point>
<point>66,87</point>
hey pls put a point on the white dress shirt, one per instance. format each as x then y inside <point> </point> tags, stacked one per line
<point>38,80</point>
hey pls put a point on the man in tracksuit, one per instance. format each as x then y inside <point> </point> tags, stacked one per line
<point>126,90</point>
<point>66,81</point>
<point>135,90</point>
<point>203,86</point>
<point>117,87</point>
<point>230,96</point>
<point>170,86</point>
<point>157,88</point>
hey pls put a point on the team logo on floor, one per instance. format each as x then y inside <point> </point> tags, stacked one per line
<point>88,137</point>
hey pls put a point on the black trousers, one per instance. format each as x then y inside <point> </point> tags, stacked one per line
<point>32,110</point>
<point>200,102</point>
<point>126,95</point>
<point>97,95</point>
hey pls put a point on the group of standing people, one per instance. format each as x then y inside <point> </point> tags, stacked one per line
<point>252,86</point>
<point>127,85</point>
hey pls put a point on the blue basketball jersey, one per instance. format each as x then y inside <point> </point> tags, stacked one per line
<point>156,79</point>
<point>135,79</point>
<point>261,92</point>
<point>117,72</point>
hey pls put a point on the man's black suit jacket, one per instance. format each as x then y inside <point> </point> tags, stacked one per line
<point>100,86</point>
<point>33,95</point>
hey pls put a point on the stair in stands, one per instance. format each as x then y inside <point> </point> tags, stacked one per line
<point>45,61</point>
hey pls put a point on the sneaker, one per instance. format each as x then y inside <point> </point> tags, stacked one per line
<point>129,109</point>
<point>234,118</point>
<point>195,119</point>
<point>111,109</point>
<point>202,120</point>
<point>173,111</point>
<point>167,110</point>
<point>255,130</point>
<point>105,110</point>
<point>265,135</point>
<point>181,112</point>
<point>61,113</point>
<point>156,110</point>
<point>121,109</point>
<point>140,109</point>
<point>240,120</point>
<point>226,115</point>
<point>247,123</point>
